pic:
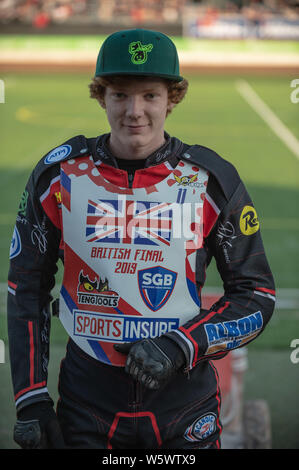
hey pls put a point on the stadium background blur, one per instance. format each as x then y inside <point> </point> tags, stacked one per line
<point>222,46</point>
<point>162,14</point>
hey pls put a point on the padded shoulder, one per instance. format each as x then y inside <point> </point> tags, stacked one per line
<point>225,173</point>
<point>75,147</point>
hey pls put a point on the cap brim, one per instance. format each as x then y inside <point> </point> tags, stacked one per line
<point>175,78</point>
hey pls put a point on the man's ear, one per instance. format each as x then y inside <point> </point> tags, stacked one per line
<point>170,106</point>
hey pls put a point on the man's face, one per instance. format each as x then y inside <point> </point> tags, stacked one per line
<point>136,111</point>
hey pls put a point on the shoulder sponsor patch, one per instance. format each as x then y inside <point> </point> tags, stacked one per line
<point>23,203</point>
<point>58,154</point>
<point>16,245</point>
<point>249,223</point>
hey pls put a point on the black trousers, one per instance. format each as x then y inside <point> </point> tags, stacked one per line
<point>101,407</point>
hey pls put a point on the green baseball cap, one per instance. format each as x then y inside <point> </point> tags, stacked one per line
<point>138,52</point>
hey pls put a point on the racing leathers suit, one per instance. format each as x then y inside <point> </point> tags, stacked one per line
<point>100,405</point>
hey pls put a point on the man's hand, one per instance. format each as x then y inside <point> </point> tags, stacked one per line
<point>152,362</point>
<point>37,427</point>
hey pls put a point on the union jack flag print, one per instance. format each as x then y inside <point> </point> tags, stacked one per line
<point>129,222</point>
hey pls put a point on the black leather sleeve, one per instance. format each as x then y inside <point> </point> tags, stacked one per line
<point>248,302</point>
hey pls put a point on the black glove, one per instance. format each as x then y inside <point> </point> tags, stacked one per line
<point>152,362</point>
<point>37,427</point>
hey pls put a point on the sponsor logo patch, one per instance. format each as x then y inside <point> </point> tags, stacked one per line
<point>58,154</point>
<point>16,245</point>
<point>232,334</point>
<point>249,223</point>
<point>113,328</point>
<point>23,203</point>
<point>96,292</point>
<point>202,428</point>
<point>185,180</point>
<point>156,286</point>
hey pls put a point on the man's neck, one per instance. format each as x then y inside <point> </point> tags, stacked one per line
<point>170,149</point>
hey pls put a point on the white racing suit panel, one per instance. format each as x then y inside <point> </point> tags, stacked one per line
<point>129,256</point>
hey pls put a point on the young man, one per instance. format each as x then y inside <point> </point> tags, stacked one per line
<point>136,216</point>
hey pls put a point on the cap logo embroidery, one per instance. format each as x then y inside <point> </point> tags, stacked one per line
<point>139,52</point>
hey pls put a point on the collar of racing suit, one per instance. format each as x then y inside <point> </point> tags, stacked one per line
<point>169,151</point>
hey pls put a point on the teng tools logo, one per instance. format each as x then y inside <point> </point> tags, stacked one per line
<point>96,292</point>
<point>129,222</point>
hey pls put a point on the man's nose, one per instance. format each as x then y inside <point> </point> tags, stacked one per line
<point>134,107</point>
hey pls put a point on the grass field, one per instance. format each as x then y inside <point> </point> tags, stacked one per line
<point>41,111</point>
<point>92,42</point>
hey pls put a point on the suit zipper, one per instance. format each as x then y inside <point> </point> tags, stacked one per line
<point>136,403</point>
<point>130,179</point>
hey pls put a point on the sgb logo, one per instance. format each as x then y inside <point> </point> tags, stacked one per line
<point>295,354</point>
<point>294,95</point>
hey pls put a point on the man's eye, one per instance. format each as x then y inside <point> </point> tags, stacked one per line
<point>150,96</point>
